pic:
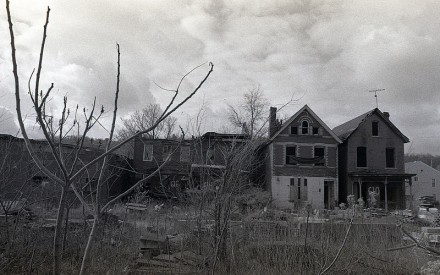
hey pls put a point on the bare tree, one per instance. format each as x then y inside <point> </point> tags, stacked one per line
<point>251,113</point>
<point>69,168</point>
<point>144,119</point>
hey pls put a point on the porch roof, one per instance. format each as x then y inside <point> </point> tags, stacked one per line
<point>380,175</point>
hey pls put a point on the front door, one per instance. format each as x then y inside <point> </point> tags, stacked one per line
<point>328,194</point>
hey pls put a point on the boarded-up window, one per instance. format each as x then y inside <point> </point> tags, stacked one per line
<point>148,152</point>
<point>185,154</point>
<point>305,151</point>
<point>361,157</point>
<point>331,156</point>
<point>390,163</point>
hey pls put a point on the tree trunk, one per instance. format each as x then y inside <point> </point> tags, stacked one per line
<point>58,234</point>
<point>89,244</point>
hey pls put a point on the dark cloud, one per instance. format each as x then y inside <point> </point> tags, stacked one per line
<point>330,53</point>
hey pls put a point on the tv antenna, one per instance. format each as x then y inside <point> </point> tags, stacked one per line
<point>375,95</point>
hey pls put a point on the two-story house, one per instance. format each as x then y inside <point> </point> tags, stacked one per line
<point>301,161</point>
<point>371,159</point>
<point>150,154</point>
<point>425,182</point>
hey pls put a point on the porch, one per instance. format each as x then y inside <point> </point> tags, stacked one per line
<point>390,189</point>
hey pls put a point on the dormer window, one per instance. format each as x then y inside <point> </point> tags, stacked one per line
<point>375,128</point>
<point>305,128</point>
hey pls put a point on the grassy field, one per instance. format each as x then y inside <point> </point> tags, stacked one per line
<point>257,243</point>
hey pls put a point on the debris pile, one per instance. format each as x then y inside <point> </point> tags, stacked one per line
<point>155,257</point>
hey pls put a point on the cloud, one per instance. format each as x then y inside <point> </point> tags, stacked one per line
<point>332,53</point>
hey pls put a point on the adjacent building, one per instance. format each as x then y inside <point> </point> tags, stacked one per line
<point>371,159</point>
<point>425,181</point>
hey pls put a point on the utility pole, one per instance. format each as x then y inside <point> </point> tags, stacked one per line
<point>375,95</point>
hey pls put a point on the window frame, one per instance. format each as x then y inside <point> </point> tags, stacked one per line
<point>323,154</point>
<point>375,128</point>
<point>294,132</point>
<point>151,152</point>
<point>304,128</point>
<point>393,150</point>
<point>287,156</point>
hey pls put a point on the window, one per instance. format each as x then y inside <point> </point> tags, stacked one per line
<point>305,182</point>
<point>416,178</point>
<point>292,182</point>
<point>433,182</point>
<point>434,196</point>
<point>319,152</point>
<point>375,128</point>
<point>210,155</point>
<point>148,152</point>
<point>315,130</point>
<point>166,151</point>
<point>290,155</point>
<point>293,130</point>
<point>361,158</point>
<point>305,128</point>
<point>299,188</point>
<point>184,154</point>
<point>390,163</point>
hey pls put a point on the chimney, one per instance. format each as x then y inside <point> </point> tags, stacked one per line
<point>272,121</point>
<point>387,115</point>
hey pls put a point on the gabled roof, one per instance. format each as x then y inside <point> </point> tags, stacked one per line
<point>420,164</point>
<point>295,116</point>
<point>345,130</point>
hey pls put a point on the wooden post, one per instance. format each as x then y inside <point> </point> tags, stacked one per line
<point>410,195</point>
<point>386,194</point>
<point>360,187</point>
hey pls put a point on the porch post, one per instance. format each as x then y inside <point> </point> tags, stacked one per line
<point>360,187</point>
<point>410,195</point>
<point>386,194</point>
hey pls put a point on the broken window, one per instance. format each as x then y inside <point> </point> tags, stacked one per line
<point>389,158</point>
<point>290,155</point>
<point>375,128</point>
<point>319,153</point>
<point>305,128</point>
<point>315,130</point>
<point>148,152</point>
<point>361,156</point>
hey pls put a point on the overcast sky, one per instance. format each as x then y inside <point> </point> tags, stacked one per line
<point>327,53</point>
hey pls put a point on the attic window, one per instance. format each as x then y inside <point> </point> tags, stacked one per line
<point>293,130</point>
<point>375,128</point>
<point>315,131</point>
<point>305,128</point>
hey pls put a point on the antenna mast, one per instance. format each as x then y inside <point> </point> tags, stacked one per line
<point>375,95</point>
